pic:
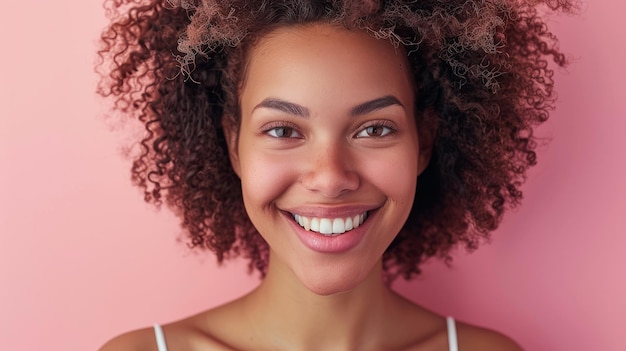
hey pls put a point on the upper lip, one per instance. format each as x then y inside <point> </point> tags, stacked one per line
<point>322,211</point>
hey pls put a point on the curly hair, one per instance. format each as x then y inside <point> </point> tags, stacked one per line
<point>480,65</point>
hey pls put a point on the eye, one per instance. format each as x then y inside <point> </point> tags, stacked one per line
<point>283,132</point>
<point>377,130</point>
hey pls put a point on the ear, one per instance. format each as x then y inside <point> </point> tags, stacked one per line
<point>231,134</point>
<point>427,130</point>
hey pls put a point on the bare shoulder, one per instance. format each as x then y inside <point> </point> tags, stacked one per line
<point>138,340</point>
<point>471,337</point>
<point>182,335</point>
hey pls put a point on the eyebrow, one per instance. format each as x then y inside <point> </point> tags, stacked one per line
<point>284,106</point>
<point>376,104</point>
<point>301,111</point>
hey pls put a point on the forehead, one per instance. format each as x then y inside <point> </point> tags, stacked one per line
<point>327,60</point>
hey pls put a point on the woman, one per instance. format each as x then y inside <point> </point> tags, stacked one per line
<point>336,145</point>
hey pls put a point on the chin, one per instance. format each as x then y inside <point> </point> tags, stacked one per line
<point>333,281</point>
<point>329,289</point>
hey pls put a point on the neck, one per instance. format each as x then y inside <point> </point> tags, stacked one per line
<point>295,318</point>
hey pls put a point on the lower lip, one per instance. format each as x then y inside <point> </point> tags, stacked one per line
<point>331,244</point>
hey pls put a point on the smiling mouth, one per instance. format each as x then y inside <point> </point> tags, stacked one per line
<point>330,226</point>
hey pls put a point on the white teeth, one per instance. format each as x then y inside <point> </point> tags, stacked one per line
<point>315,224</point>
<point>330,226</point>
<point>339,226</point>
<point>305,222</point>
<point>348,224</point>
<point>326,226</point>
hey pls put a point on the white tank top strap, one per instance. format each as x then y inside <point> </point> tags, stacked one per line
<point>160,338</point>
<point>452,340</point>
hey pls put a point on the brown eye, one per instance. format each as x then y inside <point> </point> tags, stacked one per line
<point>375,131</point>
<point>283,132</point>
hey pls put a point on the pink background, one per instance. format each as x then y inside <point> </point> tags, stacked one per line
<point>82,258</point>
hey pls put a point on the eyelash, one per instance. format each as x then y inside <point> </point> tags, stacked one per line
<point>272,127</point>
<point>270,130</point>
<point>390,126</point>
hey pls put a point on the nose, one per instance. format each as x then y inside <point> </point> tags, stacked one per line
<point>329,171</point>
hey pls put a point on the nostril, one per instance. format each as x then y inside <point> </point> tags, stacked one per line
<point>330,170</point>
<point>331,182</point>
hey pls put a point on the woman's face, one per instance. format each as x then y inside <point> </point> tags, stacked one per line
<point>327,151</point>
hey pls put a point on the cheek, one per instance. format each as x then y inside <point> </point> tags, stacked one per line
<point>265,176</point>
<point>395,174</point>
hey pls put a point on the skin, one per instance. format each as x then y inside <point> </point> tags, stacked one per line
<point>326,114</point>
